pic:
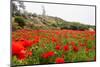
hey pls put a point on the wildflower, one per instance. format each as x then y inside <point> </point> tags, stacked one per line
<point>58,47</point>
<point>48,54</point>
<point>72,43</point>
<point>75,48</point>
<point>44,55</point>
<point>22,57</point>
<point>59,60</point>
<point>17,47</point>
<point>66,48</point>
<point>54,39</point>
<point>29,53</point>
<point>27,43</point>
<point>36,39</point>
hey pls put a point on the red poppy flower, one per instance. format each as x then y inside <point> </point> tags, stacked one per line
<point>36,39</point>
<point>54,39</point>
<point>22,57</point>
<point>63,55</point>
<point>22,52</point>
<point>45,55</point>
<point>30,53</point>
<point>48,54</point>
<point>57,32</point>
<point>17,47</point>
<point>75,48</point>
<point>72,43</point>
<point>66,48</point>
<point>87,49</point>
<point>27,43</point>
<point>58,47</point>
<point>59,60</point>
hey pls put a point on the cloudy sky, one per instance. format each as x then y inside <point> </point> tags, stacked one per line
<point>82,14</point>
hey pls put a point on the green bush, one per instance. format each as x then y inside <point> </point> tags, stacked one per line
<point>34,15</point>
<point>83,27</point>
<point>20,21</point>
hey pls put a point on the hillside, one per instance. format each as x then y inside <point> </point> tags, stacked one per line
<point>45,22</point>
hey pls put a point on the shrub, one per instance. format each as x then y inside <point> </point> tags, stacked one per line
<point>34,15</point>
<point>20,21</point>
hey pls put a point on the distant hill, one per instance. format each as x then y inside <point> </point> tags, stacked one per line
<point>46,22</point>
<point>23,19</point>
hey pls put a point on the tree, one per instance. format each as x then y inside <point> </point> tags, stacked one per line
<point>34,15</point>
<point>43,9</point>
<point>14,8</point>
<point>21,6</point>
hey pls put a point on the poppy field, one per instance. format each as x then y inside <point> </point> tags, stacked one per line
<point>52,46</point>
